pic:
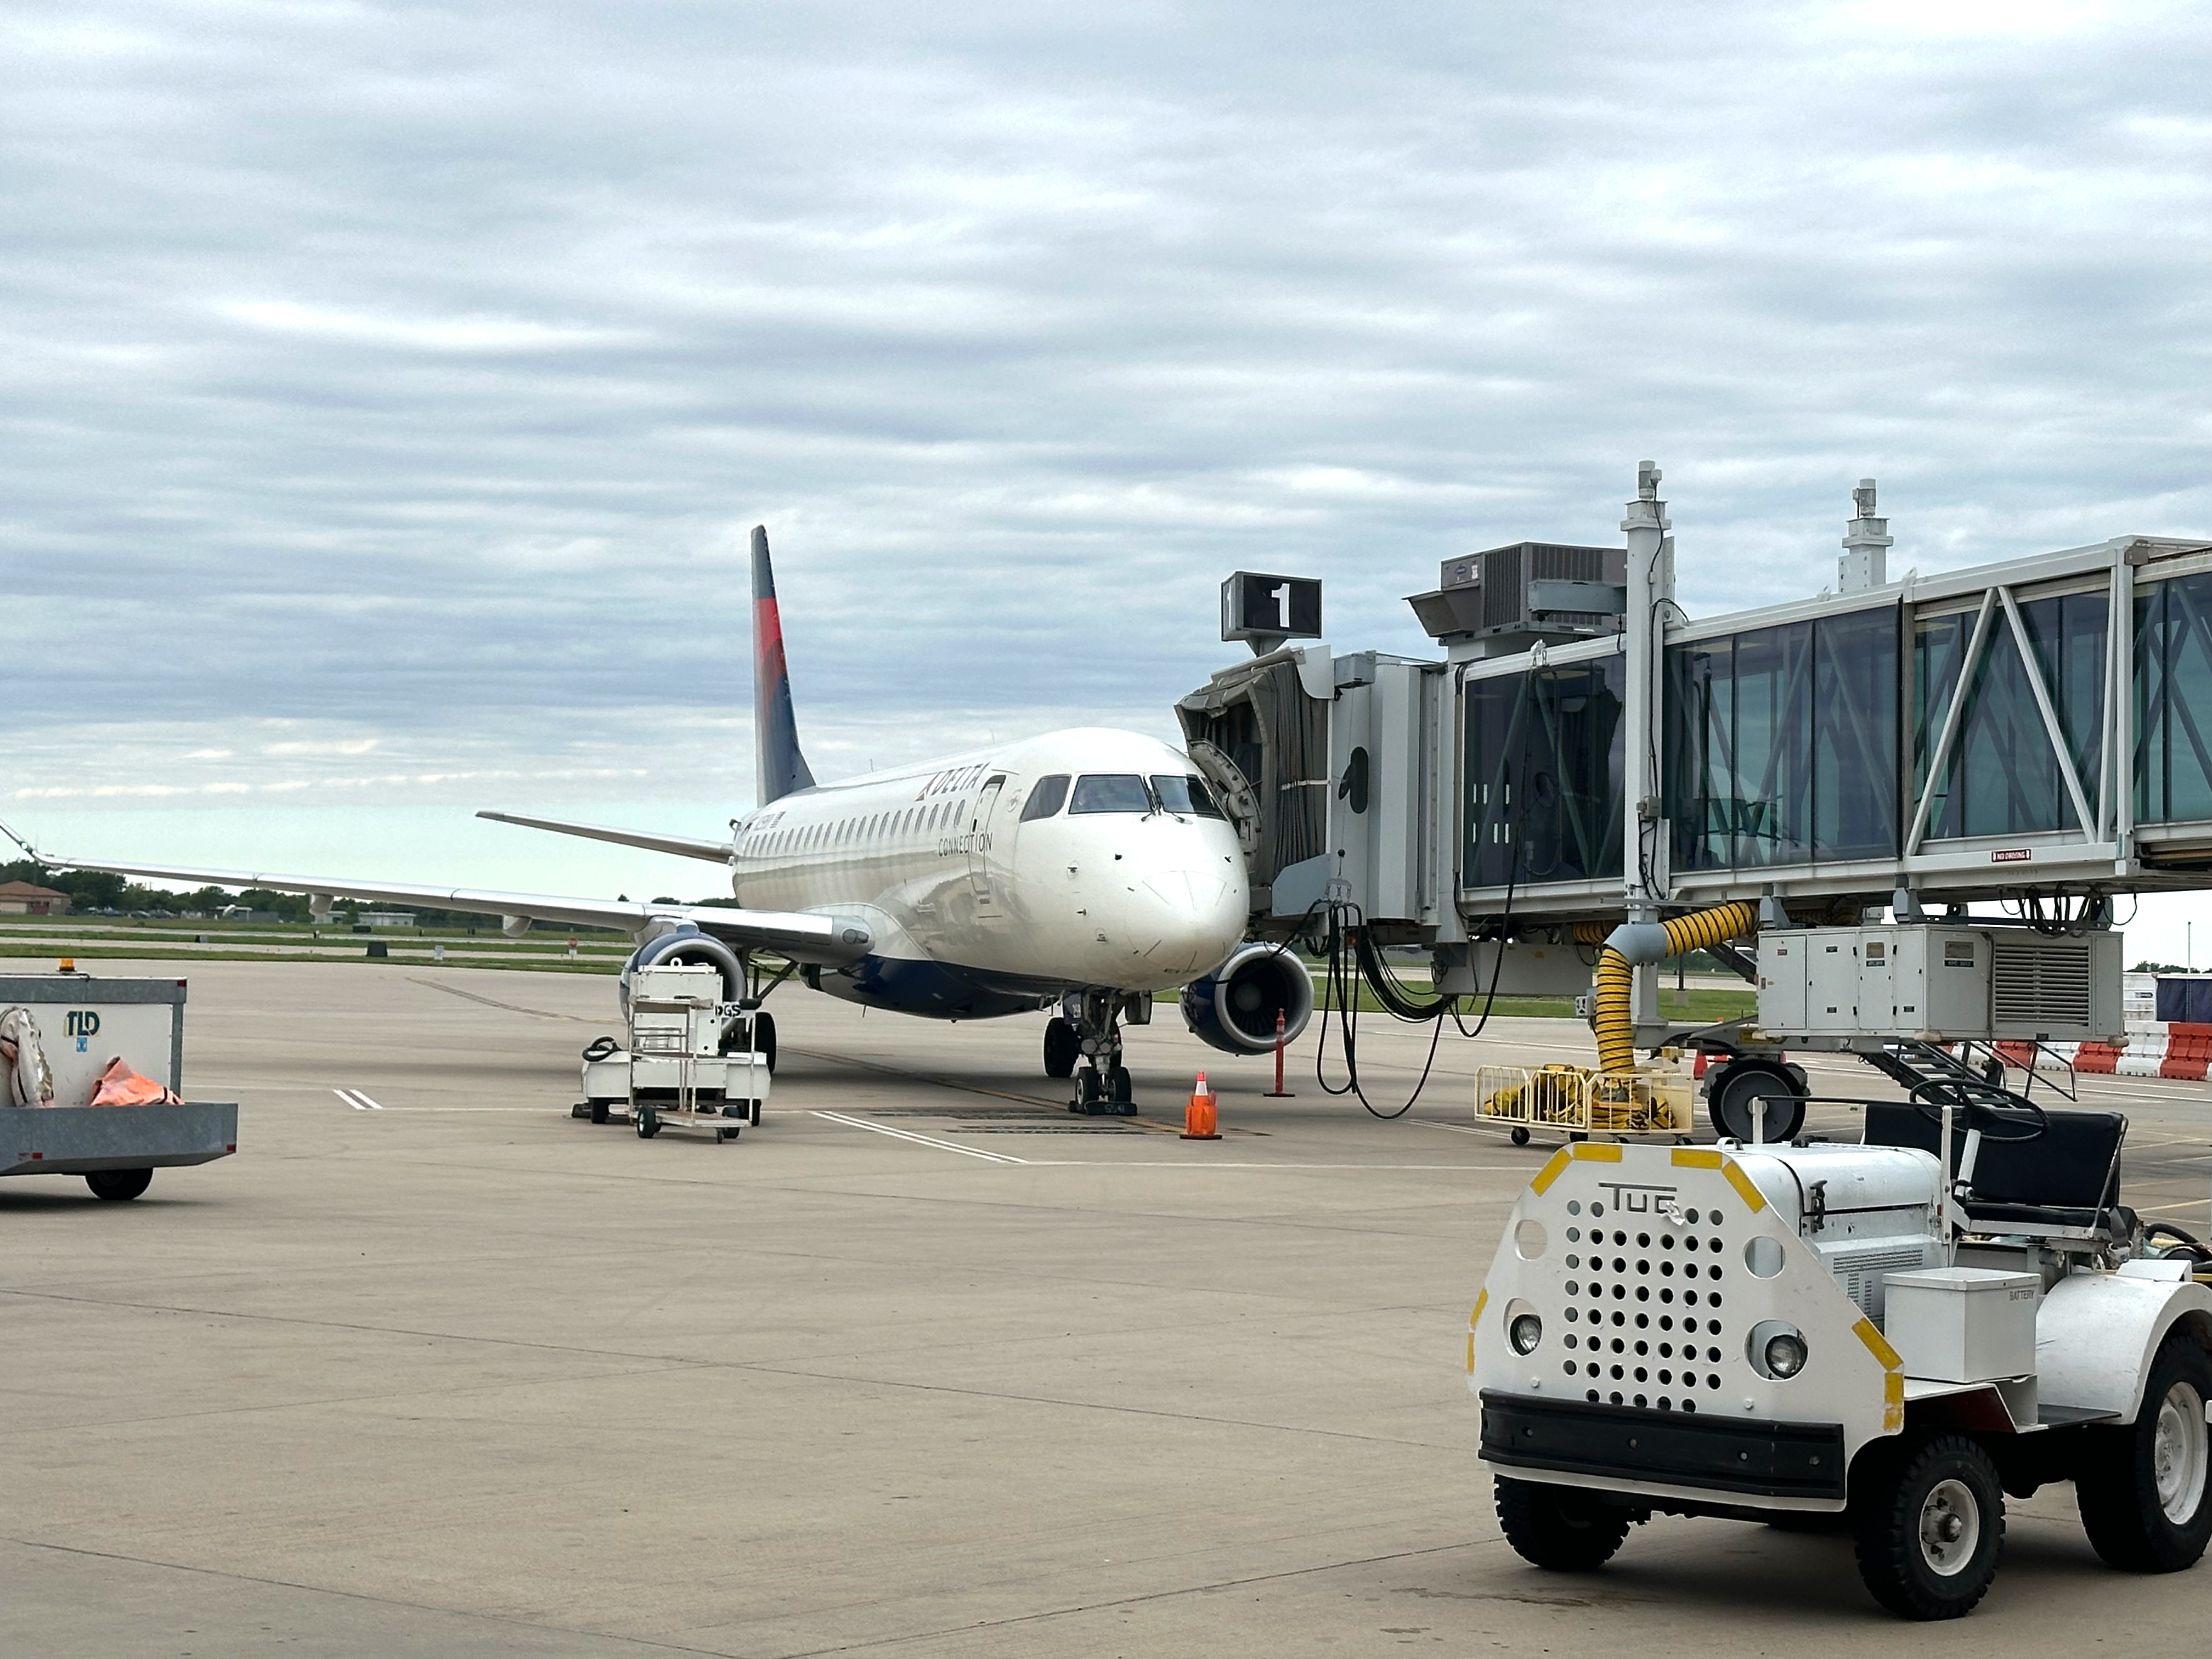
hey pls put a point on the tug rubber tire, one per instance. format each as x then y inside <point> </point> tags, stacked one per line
<point>2115,1482</point>
<point>1559,1529</point>
<point>764,1038</point>
<point>1730,1090</point>
<point>1063,1047</point>
<point>599,1111</point>
<point>1896,1491</point>
<point>117,1185</point>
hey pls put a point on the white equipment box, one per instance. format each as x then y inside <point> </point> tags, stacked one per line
<point>1962,1324</point>
<point>1942,984</point>
<point>674,1069</point>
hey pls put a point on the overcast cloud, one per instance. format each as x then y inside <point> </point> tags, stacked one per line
<point>388,389</point>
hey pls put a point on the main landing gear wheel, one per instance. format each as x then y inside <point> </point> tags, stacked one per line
<point>1929,1514</point>
<point>1063,1047</point>
<point>647,1120</point>
<point>1121,1092</point>
<point>1731,1090</point>
<point>1560,1529</point>
<point>119,1184</point>
<point>2145,1493</point>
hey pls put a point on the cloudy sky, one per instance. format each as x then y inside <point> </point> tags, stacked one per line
<point>388,389</point>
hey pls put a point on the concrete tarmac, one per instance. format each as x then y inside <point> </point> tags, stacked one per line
<point>923,1366</point>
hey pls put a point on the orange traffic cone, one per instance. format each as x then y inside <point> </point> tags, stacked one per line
<point>1198,1121</point>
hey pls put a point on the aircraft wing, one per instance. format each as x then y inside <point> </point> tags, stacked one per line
<point>796,933</point>
<point>684,846</point>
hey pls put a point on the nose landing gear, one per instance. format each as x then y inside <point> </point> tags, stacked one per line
<point>1102,1084</point>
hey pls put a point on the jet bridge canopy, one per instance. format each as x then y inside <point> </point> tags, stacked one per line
<point>2042,725</point>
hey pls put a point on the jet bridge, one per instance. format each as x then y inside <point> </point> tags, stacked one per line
<point>2037,731</point>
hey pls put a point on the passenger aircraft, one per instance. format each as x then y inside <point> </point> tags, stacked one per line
<point>1087,868</point>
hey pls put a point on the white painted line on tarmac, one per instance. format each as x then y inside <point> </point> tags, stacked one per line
<point>358,1101</point>
<point>920,1140</point>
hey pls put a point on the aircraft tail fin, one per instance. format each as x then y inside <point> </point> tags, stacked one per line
<point>779,768</point>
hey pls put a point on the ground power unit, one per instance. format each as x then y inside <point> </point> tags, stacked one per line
<point>1940,983</point>
<point>689,1060</point>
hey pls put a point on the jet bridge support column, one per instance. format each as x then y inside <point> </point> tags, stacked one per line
<point>1651,585</point>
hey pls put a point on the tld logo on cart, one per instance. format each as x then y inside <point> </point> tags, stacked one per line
<point>83,1025</point>
<point>1630,1198</point>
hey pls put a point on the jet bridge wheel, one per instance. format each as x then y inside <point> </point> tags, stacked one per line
<point>1929,1517</point>
<point>1560,1529</point>
<point>2145,1490</point>
<point>1730,1091</point>
<point>1063,1047</point>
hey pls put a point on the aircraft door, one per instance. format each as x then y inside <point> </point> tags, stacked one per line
<point>980,886</point>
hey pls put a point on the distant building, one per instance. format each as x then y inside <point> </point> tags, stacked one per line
<point>22,898</point>
<point>388,918</point>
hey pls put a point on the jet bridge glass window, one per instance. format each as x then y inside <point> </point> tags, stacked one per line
<point>1782,744</point>
<point>1544,774</point>
<point>1111,792</point>
<point>1186,793</point>
<point>2174,700</point>
<point>2001,776</point>
<point>1047,796</point>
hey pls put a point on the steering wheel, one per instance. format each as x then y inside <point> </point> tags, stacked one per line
<point>1991,1117</point>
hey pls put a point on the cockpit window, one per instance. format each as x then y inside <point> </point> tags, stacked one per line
<point>1187,794</point>
<point>1049,795</point>
<point>1111,792</point>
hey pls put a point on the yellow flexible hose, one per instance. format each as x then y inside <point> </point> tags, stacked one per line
<point>1616,1012</point>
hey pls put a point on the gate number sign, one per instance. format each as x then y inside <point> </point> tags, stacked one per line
<point>1258,606</point>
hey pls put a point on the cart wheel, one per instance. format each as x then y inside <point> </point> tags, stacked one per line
<point>2145,1490</point>
<point>1520,1134</point>
<point>647,1122</point>
<point>1560,1529</point>
<point>1929,1519</point>
<point>119,1184</point>
<point>725,1134</point>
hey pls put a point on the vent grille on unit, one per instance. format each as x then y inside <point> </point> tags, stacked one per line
<point>2040,984</point>
<point>1861,1271</point>
<point>1501,595</point>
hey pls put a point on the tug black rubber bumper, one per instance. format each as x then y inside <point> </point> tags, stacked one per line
<point>1713,1453</point>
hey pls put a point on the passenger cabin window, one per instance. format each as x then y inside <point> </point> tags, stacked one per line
<point>1049,795</point>
<point>1187,794</point>
<point>1111,792</point>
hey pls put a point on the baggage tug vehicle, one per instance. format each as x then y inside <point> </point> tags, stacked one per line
<point>1823,1337</point>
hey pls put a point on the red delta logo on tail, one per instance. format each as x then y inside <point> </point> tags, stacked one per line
<point>779,769</point>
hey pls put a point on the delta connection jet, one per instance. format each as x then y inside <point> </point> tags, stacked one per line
<point>1085,871</point>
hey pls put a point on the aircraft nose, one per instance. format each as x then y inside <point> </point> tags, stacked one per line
<point>1197,915</point>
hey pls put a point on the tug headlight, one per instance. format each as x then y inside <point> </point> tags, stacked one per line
<point>1778,1350</point>
<point>1525,1332</point>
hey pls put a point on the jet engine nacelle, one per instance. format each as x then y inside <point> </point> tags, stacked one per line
<point>685,947</point>
<point>1234,1007</point>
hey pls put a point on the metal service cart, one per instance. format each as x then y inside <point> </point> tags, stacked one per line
<point>690,1061</point>
<point>83,1024</point>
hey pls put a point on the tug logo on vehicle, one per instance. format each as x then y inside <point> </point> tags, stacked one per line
<point>1635,1198</point>
<point>83,1025</point>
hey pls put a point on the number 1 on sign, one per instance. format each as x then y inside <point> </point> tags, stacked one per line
<point>1281,595</point>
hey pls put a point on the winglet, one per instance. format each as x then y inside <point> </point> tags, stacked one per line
<point>779,768</point>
